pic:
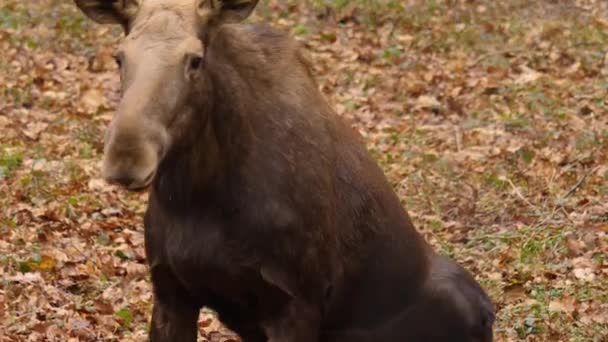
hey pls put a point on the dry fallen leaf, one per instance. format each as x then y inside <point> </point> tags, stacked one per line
<point>483,115</point>
<point>33,129</point>
<point>527,76</point>
<point>427,102</point>
<point>585,274</point>
<point>566,305</point>
<point>46,263</point>
<point>92,100</point>
<point>4,121</point>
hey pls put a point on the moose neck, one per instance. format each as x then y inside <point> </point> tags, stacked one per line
<point>205,159</point>
<point>233,100</point>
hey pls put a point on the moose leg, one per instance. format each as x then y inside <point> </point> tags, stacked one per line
<point>172,324</point>
<point>247,332</point>
<point>236,319</point>
<point>175,313</point>
<point>300,323</point>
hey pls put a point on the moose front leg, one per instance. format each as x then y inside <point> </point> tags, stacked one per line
<point>299,323</point>
<point>173,324</point>
<point>175,313</point>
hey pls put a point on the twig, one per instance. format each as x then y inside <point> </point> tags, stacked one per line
<point>495,53</point>
<point>519,194</point>
<point>546,219</point>
<point>458,138</point>
<point>559,207</point>
<point>578,184</point>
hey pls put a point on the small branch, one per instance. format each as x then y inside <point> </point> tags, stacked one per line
<point>559,207</point>
<point>458,138</point>
<point>495,53</point>
<point>519,194</point>
<point>578,184</point>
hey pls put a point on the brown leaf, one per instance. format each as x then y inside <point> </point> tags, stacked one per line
<point>104,307</point>
<point>515,293</point>
<point>45,264</point>
<point>567,305</point>
<point>92,99</point>
<point>527,76</point>
<point>427,102</point>
<point>33,129</point>
<point>4,121</point>
<point>575,247</point>
<point>586,274</point>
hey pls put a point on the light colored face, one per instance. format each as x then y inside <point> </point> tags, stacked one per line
<point>162,66</point>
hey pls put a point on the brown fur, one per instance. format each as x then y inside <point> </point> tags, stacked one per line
<point>267,208</point>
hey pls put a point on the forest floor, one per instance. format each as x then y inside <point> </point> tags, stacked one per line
<point>490,118</point>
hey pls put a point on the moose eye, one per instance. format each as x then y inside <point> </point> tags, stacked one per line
<point>195,62</point>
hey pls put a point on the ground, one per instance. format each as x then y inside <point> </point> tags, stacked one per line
<point>488,117</point>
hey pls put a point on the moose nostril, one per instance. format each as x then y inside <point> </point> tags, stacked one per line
<point>121,179</point>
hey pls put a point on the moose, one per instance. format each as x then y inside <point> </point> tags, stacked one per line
<point>264,205</point>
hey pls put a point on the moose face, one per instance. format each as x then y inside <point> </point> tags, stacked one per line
<point>163,74</point>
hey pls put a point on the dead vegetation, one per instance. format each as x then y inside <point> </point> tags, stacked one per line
<point>489,117</point>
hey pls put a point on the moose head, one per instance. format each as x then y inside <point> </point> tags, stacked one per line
<point>163,75</point>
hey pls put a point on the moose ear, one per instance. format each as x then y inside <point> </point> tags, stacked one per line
<point>225,11</point>
<point>109,11</point>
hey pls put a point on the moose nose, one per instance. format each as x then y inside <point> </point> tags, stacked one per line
<point>130,182</point>
<point>121,179</point>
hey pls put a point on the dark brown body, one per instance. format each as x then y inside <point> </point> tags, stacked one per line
<point>269,210</point>
<point>451,307</point>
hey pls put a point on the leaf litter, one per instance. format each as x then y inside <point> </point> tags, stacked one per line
<point>488,117</point>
